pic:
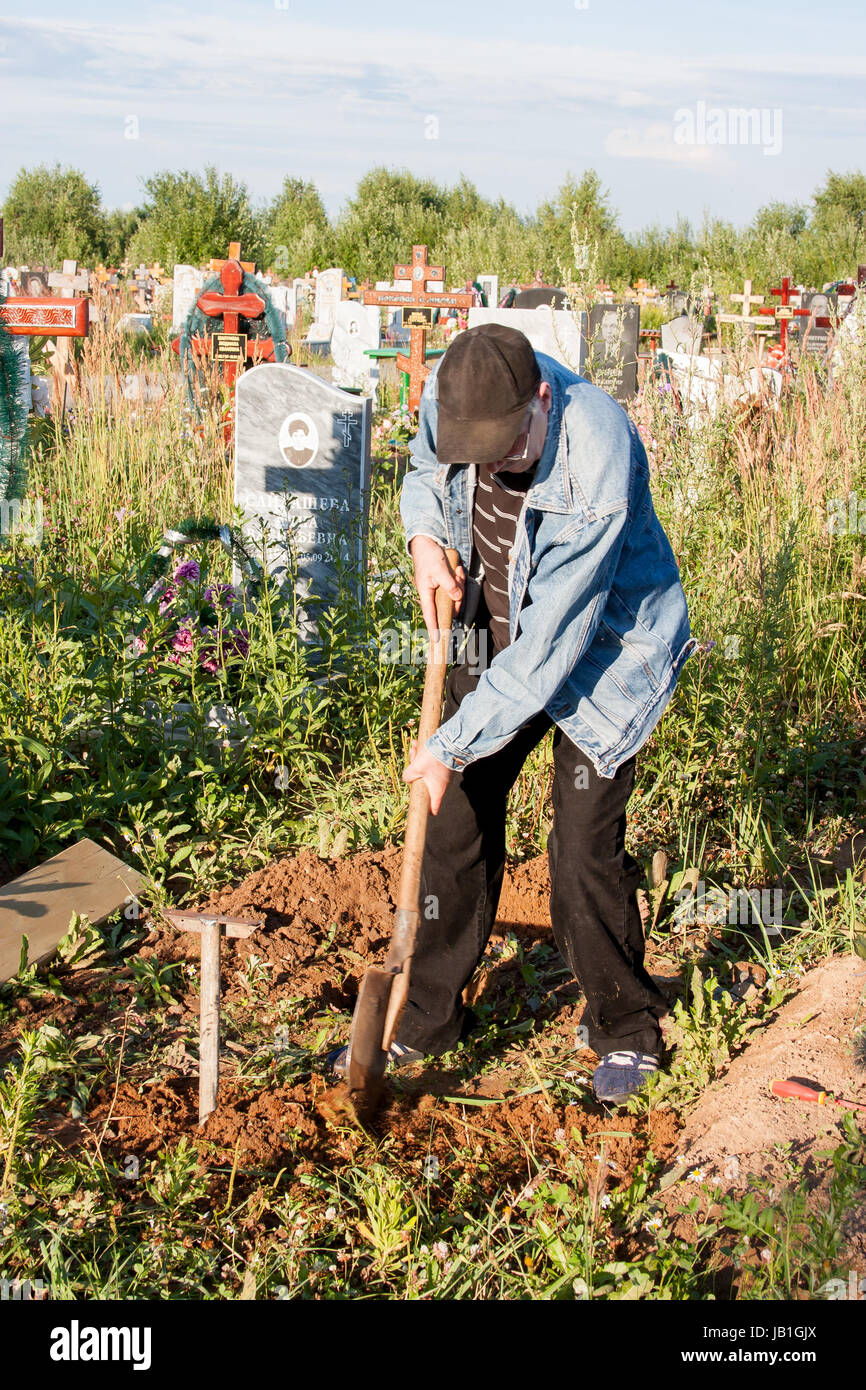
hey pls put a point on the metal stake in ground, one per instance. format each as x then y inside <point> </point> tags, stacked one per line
<point>211,929</point>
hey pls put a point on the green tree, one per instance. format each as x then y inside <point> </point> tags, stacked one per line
<point>391,211</point>
<point>842,193</point>
<point>773,244</point>
<point>298,234</point>
<point>661,254</point>
<point>51,215</point>
<point>120,227</point>
<point>189,217</point>
<point>579,213</point>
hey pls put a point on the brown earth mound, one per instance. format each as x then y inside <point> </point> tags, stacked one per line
<point>327,920</point>
<point>739,1118</point>
<point>324,923</point>
<point>284,1128</point>
<point>740,1130</point>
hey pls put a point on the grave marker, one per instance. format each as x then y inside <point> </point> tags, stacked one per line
<point>285,300</point>
<point>678,300</point>
<point>683,334</point>
<point>614,331</point>
<point>815,333</point>
<point>357,328</point>
<point>490,289</point>
<point>744,317</point>
<point>540,297</point>
<point>242,333</point>
<point>44,316</point>
<point>784,311</point>
<point>70,280</point>
<point>419,276</point>
<point>214,265</point>
<point>302,468</point>
<point>329,293</point>
<point>555,332</point>
<point>210,926</point>
<point>188,280</point>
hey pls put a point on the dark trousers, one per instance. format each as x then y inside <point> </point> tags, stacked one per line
<point>593,906</point>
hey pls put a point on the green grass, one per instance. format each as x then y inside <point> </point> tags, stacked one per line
<point>755,772</point>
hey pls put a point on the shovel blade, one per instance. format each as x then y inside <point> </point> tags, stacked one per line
<point>367,1058</point>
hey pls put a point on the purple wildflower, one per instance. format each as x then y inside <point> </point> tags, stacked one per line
<point>189,570</point>
<point>168,598</point>
<point>218,593</point>
<point>182,640</point>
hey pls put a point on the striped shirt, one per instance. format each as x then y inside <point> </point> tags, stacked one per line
<point>494,526</point>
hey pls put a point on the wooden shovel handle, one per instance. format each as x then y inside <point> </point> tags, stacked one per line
<point>431,709</point>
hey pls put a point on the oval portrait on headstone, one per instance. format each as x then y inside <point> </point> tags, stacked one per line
<point>298,440</point>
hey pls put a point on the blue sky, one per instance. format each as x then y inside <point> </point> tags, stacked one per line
<point>516,95</point>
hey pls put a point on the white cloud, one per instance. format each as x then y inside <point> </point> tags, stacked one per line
<point>656,141</point>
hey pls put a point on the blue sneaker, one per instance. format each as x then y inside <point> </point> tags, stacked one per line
<point>619,1074</point>
<point>399,1055</point>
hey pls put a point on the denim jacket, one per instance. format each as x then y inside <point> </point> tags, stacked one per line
<point>599,622</point>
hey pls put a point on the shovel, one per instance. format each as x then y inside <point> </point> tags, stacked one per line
<point>384,988</point>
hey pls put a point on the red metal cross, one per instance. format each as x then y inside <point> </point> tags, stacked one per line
<point>783,311</point>
<point>230,305</point>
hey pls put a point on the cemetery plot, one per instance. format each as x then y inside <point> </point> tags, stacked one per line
<point>252,775</point>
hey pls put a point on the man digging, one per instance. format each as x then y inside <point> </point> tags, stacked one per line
<point>540,482</point>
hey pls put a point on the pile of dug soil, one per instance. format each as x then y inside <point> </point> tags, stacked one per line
<point>741,1131</point>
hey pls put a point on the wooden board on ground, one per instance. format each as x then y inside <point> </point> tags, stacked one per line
<point>84,879</point>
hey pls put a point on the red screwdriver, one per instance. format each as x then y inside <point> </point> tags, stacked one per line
<point>795,1090</point>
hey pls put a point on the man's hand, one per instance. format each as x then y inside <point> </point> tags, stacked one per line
<point>436,775</point>
<point>431,573</point>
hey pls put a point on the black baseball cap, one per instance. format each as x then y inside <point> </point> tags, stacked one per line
<point>486,380</point>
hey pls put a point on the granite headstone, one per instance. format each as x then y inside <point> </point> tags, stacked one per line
<point>814,338</point>
<point>613,335</point>
<point>540,297</point>
<point>490,289</point>
<point>302,472</point>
